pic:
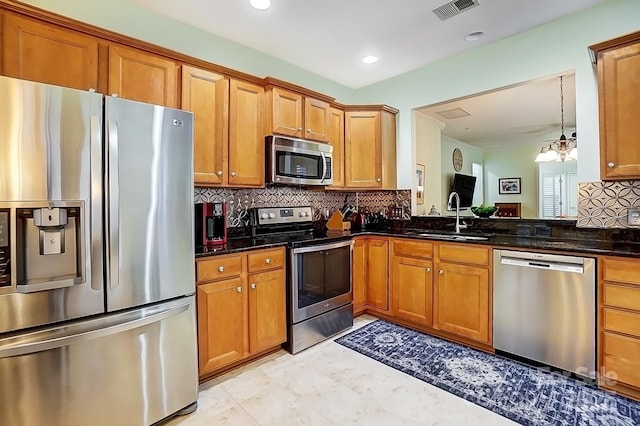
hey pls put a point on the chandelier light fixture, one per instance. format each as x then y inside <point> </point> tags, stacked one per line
<point>562,149</point>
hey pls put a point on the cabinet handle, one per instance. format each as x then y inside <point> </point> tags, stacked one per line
<point>308,130</point>
<point>253,286</point>
<point>267,260</point>
<point>378,179</point>
<point>299,129</point>
<point>219,173</point>
<point>611,164</point>
<point>441,272</point>
<point>428,269</point>
<point>239,289</point>
<point>233,174</point>
<point>220,268</point>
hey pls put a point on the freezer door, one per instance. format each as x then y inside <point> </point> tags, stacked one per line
<point>131,368</point>
<point>50,161</point>
<point>150,251</point>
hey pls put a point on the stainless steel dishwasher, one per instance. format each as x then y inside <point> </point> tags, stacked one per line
<point>544,309</point>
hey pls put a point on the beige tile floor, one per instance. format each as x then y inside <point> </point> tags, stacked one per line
<point>328,384</point>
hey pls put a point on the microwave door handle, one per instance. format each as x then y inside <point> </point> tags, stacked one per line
<point>324,167</point>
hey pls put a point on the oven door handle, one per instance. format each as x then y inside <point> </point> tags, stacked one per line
<point>322,247</point>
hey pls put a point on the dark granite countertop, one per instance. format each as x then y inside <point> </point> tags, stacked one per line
<point>558,236</point>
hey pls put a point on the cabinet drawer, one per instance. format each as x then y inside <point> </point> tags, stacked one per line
<point>621,296</point>
<point>621,355</point>
<point>464,254</point>
<point>623,322</point>
<point>266,259</point>
<point>622,271</point>
<point>407,248</point>
<point>218,267</point>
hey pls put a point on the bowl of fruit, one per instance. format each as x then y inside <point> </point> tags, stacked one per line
<point>484,211</point>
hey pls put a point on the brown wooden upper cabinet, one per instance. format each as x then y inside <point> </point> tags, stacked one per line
<point>228,138</point>
<point>336,139</point>
<point>141,76</point>
<point>43,52</point>
<point>294,114</point>
<point>618,63</point>
<point>370,147</point>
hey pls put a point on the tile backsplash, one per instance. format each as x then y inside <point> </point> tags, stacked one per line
<point>605,204</point>
<point>239,200</point>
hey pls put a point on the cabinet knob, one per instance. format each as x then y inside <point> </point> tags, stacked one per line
<point>233,174</point>
<point>308,130</point>
<point>299,129</point>
<point>239,289</point>
<point>219,173</point>
<point>378,179</point>
<point>220,268</point>
<point>267,260</point>
<point>611,164</point>
<point>253,286</point>
<point>441,272</point>
<point>428,269</point>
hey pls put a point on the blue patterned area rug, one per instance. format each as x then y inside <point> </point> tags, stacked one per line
<point>522,393</point>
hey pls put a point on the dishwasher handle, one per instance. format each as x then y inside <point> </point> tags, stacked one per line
<point>541,264</point>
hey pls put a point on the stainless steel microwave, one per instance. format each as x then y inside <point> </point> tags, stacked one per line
<point>298,161</point>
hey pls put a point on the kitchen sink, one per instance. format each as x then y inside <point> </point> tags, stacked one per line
<point>453,237</point>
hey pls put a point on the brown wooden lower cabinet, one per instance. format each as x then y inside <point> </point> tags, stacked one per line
<point>242,315</point>
<point>462,300</point>
<point>358,279</point>
<point>412,290</point>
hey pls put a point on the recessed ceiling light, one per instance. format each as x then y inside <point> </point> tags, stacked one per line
<point>370,59</point>
<point>474,36</point>
<point>260,4</point>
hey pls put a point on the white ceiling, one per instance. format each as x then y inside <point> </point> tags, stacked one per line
<point>330,37</point>
<point>525,114</point>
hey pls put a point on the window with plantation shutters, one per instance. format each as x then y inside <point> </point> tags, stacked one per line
<point>558,186</point>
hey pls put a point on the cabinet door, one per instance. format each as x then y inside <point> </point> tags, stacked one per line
<point>317,119</point>
<point>206,94</point>
<point>618,73</point>
<point>286,113</point>
<point>141,76</point>
<point>246,134</point>
<point>46,53</point>
<point>411,290</point>
<point>377,274</point>
<point>267,310</point>
<point>336,139</point>
<point>221,323</point>
<point>359,274</point>
<point>462,301</point>
<point>362,150</point>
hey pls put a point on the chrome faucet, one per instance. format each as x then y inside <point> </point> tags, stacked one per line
<point>459,225</point>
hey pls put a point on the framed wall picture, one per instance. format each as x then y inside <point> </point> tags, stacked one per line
<point>420,183</point>
<point>509,185</point>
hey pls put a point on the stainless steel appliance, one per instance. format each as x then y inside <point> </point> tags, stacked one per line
<point>298,161</point>
<point>319,291</point>
<point>210,224</point>
<point>97,314</point>
<point>544,309</point>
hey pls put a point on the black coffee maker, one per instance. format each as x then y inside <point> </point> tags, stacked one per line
<point>210,224</point>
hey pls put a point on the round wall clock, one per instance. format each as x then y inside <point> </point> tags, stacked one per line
<point>457,159</point>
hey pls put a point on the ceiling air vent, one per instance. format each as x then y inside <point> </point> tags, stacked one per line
<point>454,8</point>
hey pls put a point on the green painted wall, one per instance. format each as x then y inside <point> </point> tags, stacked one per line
<point>125,17</point>
<point>545,50</point>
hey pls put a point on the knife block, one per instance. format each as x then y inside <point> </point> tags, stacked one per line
<point>336,222</point>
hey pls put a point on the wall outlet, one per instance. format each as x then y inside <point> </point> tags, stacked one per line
<point>633,216</point>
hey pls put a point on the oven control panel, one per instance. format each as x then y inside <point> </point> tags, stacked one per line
<point>283,215</point>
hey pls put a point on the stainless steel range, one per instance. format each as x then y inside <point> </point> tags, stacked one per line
<point>319,292</point>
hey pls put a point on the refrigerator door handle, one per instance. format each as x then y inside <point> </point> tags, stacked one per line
<point>127,322</point>
<point>96,175</point>
<point>113,206</point>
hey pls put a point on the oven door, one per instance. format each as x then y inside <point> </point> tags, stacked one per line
<point>320,279</point>
<point>300,162</point>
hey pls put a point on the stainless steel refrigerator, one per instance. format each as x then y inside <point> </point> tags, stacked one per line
<point>97,312</point>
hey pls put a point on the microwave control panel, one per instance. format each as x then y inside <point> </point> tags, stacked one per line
<point>5,255</point>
